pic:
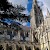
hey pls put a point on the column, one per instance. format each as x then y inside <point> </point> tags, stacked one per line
<point>48,40</point>
<point>14,47</point>
<point>4,46</point>
<point>12,31</point>
<point>24,47</point>
<point>24,36</point>
<point>5,34</point>
<point>19,35</point>
<point>31,35</point>
<point>11,35</point>
<point>32,48</point>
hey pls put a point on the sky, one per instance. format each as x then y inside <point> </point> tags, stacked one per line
<point>20,2</point>
<point>28,5</point>
<point>46,5</point>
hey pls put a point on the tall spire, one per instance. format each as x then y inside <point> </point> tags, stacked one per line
<point>36,14</point>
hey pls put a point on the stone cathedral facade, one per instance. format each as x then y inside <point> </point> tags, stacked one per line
<point>42,27</point>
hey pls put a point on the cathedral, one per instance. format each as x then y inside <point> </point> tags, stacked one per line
<point>41,26</point>
<point>36,37</point>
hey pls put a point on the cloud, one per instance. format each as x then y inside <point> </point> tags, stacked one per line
<point>26,24</point>
<point>25,12</point>
<point>19,2</point>
<point>25,2</point>
<point>46,5</point>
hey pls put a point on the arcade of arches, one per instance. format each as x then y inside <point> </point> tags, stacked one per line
<point>15,47</point>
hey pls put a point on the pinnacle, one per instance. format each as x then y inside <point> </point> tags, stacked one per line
<point>35,1</point>
<point>48,12</point>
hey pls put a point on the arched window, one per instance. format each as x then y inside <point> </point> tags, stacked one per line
<point>27,34</point>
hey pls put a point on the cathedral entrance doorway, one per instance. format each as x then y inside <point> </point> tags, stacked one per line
<point>1,48</point>
<point>8,47</point>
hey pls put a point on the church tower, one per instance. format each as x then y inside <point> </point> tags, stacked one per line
<point>36,15</point>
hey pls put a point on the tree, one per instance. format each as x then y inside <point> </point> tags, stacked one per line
<point>10,11</point>
<point>4,4</point>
